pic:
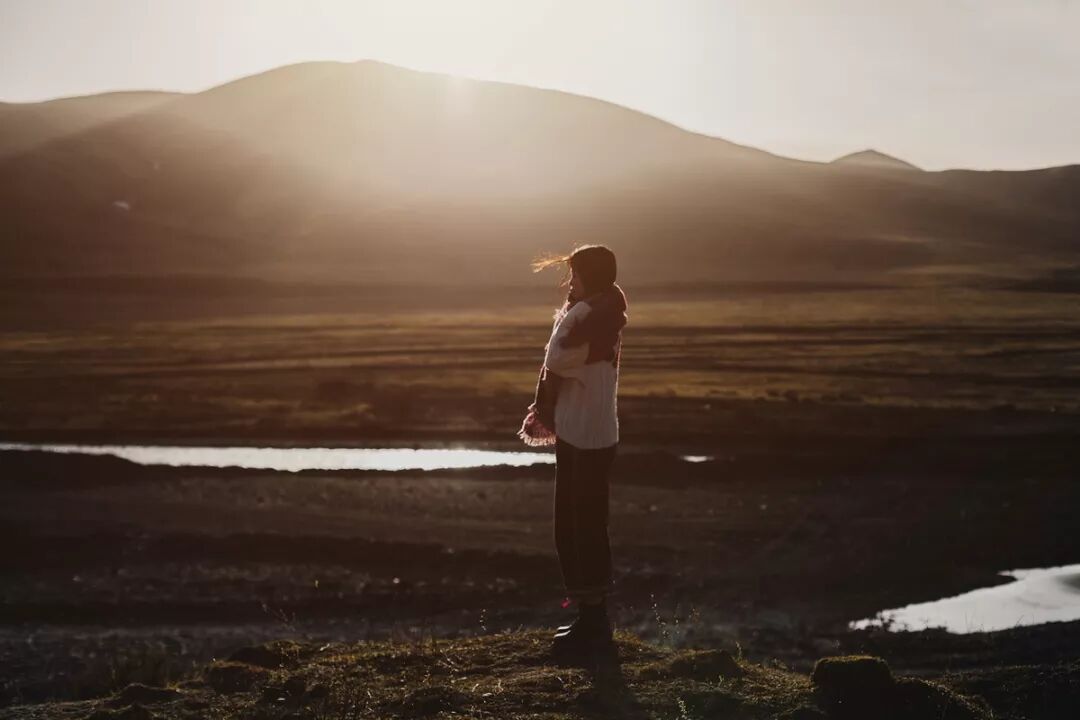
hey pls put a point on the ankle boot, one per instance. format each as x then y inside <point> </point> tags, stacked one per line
<point>569,625</point>
<point>592,627</point>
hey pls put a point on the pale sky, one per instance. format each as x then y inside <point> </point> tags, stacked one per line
<point>940,83</point>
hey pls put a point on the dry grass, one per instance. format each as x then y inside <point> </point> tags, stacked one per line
<point>472,371</point>
<point>503,675</point>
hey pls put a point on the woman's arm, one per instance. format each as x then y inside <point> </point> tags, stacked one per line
<point>567,361</point>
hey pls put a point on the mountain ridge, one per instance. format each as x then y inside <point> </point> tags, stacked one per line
<point>370,62</point>
<point>365,170</point>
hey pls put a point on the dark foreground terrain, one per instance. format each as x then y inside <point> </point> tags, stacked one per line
<point>868,451</point>
<point>512,675</point>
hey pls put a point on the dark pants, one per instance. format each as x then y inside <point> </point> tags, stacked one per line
<point>581,519</point>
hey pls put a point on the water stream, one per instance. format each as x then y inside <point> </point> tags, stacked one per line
<point>293,459</point>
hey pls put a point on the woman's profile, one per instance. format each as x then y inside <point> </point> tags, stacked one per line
<point>575,409</point>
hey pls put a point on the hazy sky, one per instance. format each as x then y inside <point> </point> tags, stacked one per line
<point>941,83</point>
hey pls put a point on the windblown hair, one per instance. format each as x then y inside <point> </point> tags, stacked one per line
<point>594,263</point>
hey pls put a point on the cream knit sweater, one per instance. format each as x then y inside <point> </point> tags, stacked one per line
<point>586,411</point>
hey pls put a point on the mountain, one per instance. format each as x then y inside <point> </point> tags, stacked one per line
<point>874,159</point>
<point>370,173</point>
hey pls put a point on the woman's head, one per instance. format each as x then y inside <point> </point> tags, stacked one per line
<point>591,269</point>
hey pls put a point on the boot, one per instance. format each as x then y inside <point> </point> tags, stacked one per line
<point>563,628</point>
<point>591,629</point>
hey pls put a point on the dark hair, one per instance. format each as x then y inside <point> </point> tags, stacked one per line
<point>594,263</point>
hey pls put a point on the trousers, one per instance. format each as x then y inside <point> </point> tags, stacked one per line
<point>582,490</point>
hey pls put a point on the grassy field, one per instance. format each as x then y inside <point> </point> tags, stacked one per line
<point>471,371</point>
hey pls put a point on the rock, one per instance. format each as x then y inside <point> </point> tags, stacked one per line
<point>231,677</point>
<point>145,695</point>
<point>863,686</point>
<point>706,664</point>
<point>272,655</point>
<point>853,685</point>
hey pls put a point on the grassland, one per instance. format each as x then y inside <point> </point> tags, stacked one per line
<point>470,371</point>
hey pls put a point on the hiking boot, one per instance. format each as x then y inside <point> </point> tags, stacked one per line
<point>563,628</point>
<point>592,628</point>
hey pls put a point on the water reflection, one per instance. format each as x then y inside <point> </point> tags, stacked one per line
<point>315,458</point>
<point>1037,596</point>
<point>295,459</point>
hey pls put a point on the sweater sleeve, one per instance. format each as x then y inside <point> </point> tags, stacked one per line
<point>567,361</point>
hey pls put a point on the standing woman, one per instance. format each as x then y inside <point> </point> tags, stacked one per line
<point>575,410</point>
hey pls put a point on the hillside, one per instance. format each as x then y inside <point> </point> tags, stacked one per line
<point>509,675</point>
<point>367,172</point>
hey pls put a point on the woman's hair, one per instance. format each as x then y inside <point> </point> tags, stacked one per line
<point>594,263</point>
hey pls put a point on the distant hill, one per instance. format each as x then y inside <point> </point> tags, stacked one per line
<point>371,173</point>
<point>30,126</point>
<point>874,159</point>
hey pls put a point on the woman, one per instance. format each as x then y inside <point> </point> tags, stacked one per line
<point>575,410</point>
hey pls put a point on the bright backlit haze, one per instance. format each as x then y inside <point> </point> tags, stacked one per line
<point>987,84</point>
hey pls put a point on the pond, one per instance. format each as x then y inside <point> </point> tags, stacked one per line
<point>301,458</point>
<point>1034,597</point>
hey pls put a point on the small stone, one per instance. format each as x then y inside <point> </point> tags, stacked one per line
<point>853,684</point>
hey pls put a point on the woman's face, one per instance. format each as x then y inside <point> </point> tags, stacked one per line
<point>577,286</point>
